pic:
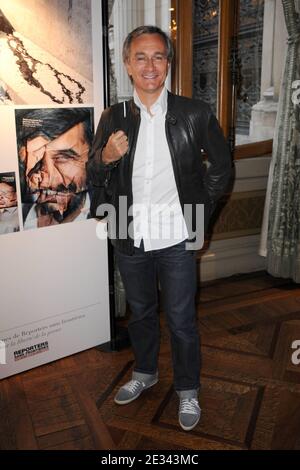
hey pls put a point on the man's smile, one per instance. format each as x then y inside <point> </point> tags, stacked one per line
<point>150,76</point>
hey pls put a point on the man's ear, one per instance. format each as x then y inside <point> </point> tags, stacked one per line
<point>128,67</point>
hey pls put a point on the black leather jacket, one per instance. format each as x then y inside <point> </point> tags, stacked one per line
<point>191,128</point>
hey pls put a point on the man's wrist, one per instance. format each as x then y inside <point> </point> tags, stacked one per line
<point>109,164</point>
<point>105,160</point>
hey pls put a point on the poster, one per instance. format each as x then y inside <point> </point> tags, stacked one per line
<point>9,215</point>
<point>54,295</point>
<point>46,52</point>
<point>53,146</point>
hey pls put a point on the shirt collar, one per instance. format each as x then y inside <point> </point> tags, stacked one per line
<point>161,104</point>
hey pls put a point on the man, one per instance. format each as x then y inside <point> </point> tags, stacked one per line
<point>9,218</point>
<point>53,151</point>
<point>148,151</point>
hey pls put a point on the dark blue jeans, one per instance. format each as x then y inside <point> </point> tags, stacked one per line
<point>175,268</point>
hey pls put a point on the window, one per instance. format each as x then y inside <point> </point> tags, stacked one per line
<point>230,54</point>
<point>250,42</point>
<point>205,51</point>
<point>123,17</point>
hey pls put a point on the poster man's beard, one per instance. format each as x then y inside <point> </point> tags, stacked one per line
<point>48,208</point>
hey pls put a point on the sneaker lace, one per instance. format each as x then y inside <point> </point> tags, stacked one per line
<point>133,385</point>
<point>189,405</point>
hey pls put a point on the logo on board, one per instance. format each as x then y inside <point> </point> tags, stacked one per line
<point>31,351</point>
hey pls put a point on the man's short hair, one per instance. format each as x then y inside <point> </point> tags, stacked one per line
<point>9,179</point>
<point>52,122</point>
<point>147,30</point>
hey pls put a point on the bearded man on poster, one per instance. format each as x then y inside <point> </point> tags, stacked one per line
<point>53,146</point>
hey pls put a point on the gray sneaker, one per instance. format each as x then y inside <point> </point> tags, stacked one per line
<point>133,389</point>
<point>189,409</point>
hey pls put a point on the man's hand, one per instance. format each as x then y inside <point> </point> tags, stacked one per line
<point>116,147</point>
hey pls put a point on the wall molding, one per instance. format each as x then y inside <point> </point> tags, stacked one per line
<point>225,258</point>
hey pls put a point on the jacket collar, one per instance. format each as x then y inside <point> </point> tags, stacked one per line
<point>161,104</point>
<point>170,116</point>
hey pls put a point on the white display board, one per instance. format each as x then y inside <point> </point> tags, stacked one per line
<point>54,276</point>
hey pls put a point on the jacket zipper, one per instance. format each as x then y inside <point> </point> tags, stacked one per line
<point>174,164</point>
<point>132,151</point>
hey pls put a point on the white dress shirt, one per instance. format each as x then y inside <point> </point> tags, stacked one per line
<point>157,214</point>
<point>9,220</point>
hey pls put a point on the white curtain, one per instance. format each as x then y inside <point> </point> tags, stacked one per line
<point>280,241</point>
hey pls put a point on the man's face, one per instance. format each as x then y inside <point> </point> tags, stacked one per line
<point>55,170</point>
<point>147,64</point>
<point>8,196</point>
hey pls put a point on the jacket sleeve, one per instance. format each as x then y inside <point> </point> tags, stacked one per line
<point>98,172</point>
<point>219,169</point>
